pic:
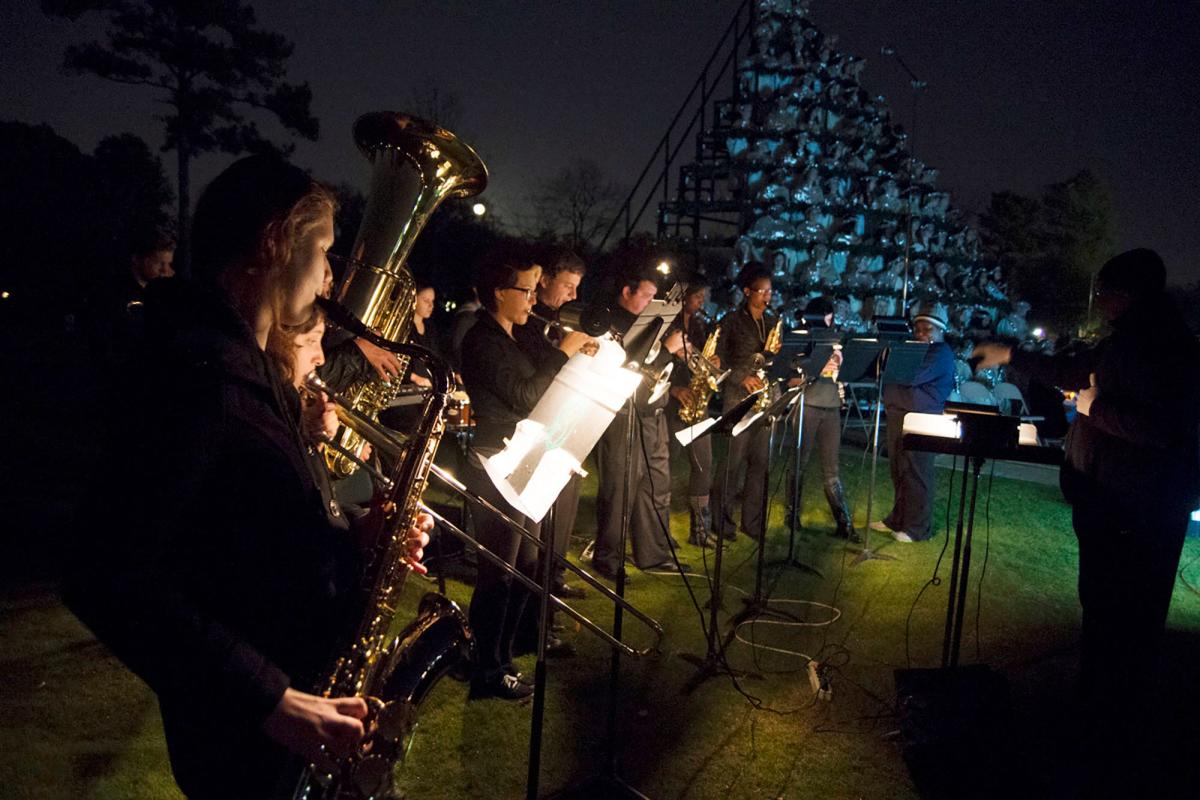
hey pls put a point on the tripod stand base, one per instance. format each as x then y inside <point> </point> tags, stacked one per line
<point>599,787</point>
<point>710,666</point>
<point>867,554</point>
<point>797,564</point>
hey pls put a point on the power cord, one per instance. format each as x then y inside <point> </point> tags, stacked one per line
<point>987,549</point>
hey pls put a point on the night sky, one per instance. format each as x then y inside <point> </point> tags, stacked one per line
<point>1020,94</point>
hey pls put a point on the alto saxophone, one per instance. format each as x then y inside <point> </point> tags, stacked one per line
<point>774,343</point>
<point>705,380</point>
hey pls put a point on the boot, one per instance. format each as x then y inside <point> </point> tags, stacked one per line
<point>698,511</point>
<point>841,513</point>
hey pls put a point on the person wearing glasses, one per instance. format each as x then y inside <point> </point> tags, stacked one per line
<point>563,272</point>
<point>744,334</point>
<point>504,384</point>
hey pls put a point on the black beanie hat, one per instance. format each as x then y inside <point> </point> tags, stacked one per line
<point>1139,273</point>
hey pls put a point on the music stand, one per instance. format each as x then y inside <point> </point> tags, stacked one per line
<point>639,337</point>
<point>901,362</point>
<point>712,663</point>
<point>757,603</point>
<point>814,346</point>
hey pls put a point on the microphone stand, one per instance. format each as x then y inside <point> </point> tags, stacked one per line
<point>539,671</point>
<point>867,554</point>
<point>713,661</point>
<point>609,783</point>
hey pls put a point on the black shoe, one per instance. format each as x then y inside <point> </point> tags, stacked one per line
<point>702,541</point>
<point>610,576</point>
<point>566,591</point>
<point>559,648</point>
<point>849,534</point>
<point>506,687</point>
<point>667,568</point>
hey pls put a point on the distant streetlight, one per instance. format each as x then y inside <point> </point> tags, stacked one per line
<point>664,268</point>
<point>1038,333</point>
<point>479,209</point>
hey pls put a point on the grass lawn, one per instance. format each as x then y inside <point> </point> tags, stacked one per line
<point>75,724</point>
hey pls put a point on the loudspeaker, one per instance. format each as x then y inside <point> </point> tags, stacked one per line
<point>956,728</point>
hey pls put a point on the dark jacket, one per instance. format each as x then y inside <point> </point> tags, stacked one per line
<point>1139,442</point>
<point>226,578</point>
<point>502,381</point>
<point>741,338</point>
<point>929,389</point>
<point>623,320</point>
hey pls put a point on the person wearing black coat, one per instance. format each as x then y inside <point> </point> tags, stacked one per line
<point>225,584</point>
<point>1132,476</point>
<point>504,385</point>
<point>648,464</point>
<point>744,333</point>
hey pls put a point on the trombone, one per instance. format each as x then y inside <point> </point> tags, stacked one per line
<point>386,442</point>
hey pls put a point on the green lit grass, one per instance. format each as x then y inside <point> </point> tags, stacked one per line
<point>76,724</point>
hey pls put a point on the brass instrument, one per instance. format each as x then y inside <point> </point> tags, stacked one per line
<point>770,392</point>
<point>393,669</point>
<point>415,166</point>
<point>706,378</point>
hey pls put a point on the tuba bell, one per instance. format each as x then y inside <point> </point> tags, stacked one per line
<point>415,166</point>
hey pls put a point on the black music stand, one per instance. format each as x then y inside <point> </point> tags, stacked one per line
<point>985,434</point>
<point>817,346</point>
<point>713,661</point>
<point>772,414</point>
<point>639,339</point>
<point>893,362</point>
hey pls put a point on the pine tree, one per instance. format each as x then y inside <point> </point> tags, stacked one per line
<point>209,61</point>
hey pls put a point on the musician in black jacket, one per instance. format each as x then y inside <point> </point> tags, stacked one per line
<point>563,271</point>
<point>504,385</point>
<point>744,334</point>
<point>226,587</point>
<point>699,452</point>
<point>650,507</point>
<point>1132,474</point>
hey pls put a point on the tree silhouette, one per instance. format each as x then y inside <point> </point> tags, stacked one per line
<point>1050,246</point>
<point>209,60</point>
<point>576,204</point>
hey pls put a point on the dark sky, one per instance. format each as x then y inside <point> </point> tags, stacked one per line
<point>1021,93</point>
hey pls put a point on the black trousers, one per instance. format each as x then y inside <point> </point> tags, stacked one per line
<point>912,479</point>
<point>699,455</point>
<point>566,509</point>
<point>498,600</point>
<point>1127,565</point>
<point>750,450</point>
<point>822,432</point>
<point>650,509</point>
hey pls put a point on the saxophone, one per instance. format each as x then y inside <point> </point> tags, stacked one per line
<point>770,392</point>
<point>392,668</point>
<point>415,166</point>
<point>705,380</point>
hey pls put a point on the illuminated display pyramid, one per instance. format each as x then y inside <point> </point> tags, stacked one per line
<point>804,170</point>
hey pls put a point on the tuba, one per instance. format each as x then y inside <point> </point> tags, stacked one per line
<point>415,166</point>
<point>705,380</point>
